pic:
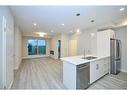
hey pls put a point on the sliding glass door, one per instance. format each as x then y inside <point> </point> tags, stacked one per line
<point>41,47</point>
<point>36,47</point>
<point>32,47</point>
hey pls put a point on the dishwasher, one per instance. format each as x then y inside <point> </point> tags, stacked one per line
<point>83,76</point>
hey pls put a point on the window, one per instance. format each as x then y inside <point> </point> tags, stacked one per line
<point>36,47</point>
<point>41,47</point>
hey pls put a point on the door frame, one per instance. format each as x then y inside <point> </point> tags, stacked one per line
<point>4,24</point>
<point>59,49</point>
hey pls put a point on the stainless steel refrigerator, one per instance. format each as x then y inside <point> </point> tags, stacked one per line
<point>115,56</point>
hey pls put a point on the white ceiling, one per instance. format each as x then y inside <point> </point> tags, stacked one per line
<point>50,18</point>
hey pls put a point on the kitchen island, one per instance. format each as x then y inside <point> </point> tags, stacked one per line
<point>75,78</point>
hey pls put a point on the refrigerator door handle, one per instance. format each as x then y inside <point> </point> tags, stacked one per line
<point>117,60</point>
<point>120,49</point>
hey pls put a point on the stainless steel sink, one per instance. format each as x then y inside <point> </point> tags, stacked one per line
<point>89,57</point>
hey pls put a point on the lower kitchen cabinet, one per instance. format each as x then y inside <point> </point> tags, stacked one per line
<point>93,69</point>
<point>98,69</point>
<point>78,75</point>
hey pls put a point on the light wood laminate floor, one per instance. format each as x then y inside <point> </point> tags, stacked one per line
<point>46,73</point>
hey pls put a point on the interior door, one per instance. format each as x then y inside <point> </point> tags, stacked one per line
<point>72,47</point>
<point>32,47</point>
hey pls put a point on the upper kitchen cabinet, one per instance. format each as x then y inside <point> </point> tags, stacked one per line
<point>103,42</point>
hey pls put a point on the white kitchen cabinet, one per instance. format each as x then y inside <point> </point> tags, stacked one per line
<point>98,69</point>
<point>106,65</point>
<point>103,42</point>
<point>93,69</point>
<point>69,75</point>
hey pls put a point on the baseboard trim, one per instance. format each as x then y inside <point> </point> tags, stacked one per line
<point>53,57</point>
<point>124,70</point>
<point>29,57</point>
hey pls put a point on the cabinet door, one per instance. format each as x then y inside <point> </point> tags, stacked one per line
<point>93,71</point>
<point>96,70</point>
<point>107,65</point>
<point>103,42</point>
<point>103,67</point>
<point>100,68</point>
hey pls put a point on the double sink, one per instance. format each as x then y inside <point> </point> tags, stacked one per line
<point>89,57</point>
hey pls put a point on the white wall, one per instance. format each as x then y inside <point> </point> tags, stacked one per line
<point>1,50</point>
<point>88,39</point>
<point>24,47</point>
<point>25,50</point>
<point>48,43</point>
<point>122,35</point>
<point>4,11</point>
<point>64,45</point>
<point>85,40</point>
<point>54,47</point>
<point>18,47</point>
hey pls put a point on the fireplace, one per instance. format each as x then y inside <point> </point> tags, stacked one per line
<point>52,52</point>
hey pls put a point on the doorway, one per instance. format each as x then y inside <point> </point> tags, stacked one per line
<point>59,49</point>
<point>72,47</point>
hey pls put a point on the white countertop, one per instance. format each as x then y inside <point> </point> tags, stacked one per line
<point>76,60</point>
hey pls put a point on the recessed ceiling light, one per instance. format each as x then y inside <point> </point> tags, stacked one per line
<point>62,24</point>
<point>35,24</point>
<point>122,9</point>
<point>78,30</point>
<point>92,34</point>
<point>41,34</point>
<point>52,31</point>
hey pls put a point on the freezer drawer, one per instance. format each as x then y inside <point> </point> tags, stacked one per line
<point>115,68</point>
